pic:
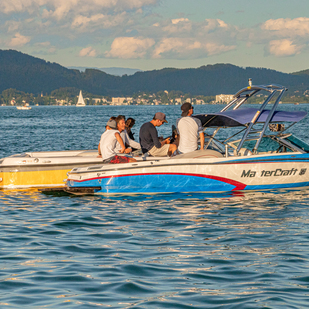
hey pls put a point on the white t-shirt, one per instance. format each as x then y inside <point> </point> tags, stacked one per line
<point>189,129</point>
<point>108,144</point>
<point>126,140</point>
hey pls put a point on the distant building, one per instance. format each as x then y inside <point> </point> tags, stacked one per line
<point>96,100</point>
<point>118,100</point>
<point>178,100</point>
<point>122,101</point>
<point>61,102</point>
<point>221,98</point>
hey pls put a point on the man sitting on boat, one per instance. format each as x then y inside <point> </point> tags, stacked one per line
<point>108,142</point>
<point>189,129</point>
<point>121,127</point>
<point>149,140</point>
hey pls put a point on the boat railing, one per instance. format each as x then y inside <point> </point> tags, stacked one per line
<point>253,129</point>
<point>260,132</point>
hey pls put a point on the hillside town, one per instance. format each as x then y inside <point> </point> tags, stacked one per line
<point>12,97</point>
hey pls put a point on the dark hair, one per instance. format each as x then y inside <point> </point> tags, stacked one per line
<point>120,117</point>
<point>130,122</point>
<point>112,118</point>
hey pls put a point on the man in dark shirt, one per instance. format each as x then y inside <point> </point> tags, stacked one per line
<point>148,137</point>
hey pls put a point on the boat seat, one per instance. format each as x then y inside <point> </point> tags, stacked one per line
<point>200,154</point>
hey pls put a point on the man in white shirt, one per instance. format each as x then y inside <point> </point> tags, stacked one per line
<point>109,140</point>
<point>189,130</point>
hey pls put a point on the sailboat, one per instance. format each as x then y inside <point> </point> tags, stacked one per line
<point>80,101</point>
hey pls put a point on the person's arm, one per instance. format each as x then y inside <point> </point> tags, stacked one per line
<point>166,141</point>
<point>99,151</point>
<point>201,132</point>
<point>131,143</point>
<point>120,141</point>
<point>202,140</point>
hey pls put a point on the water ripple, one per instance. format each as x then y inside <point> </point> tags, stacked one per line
<point>166,251</point>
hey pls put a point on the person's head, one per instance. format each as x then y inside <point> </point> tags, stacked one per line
<point>130,123</point>
<point>121,122</point>
<point>111,124</point>
<point>158,119</point>
<point>187,109</point>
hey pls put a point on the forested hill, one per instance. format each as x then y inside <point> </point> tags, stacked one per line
<point>33,75</point>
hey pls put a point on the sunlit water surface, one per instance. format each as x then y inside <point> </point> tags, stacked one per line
<point>167,251</point>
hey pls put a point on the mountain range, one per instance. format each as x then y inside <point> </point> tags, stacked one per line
<point>112,70</point>
<point>33,75</point>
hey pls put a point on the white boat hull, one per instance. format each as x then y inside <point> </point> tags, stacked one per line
<point>203,175</point>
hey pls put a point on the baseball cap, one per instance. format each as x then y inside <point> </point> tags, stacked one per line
<point>160,116</point>
<point>112,124</point>
<point>185,107</point>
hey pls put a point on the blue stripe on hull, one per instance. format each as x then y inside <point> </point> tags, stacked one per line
<point>169,183</point>
<point>277,186</point>
<point>156,183</point>
<point>292,158</point>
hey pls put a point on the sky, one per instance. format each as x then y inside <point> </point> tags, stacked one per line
<point>154,34</point>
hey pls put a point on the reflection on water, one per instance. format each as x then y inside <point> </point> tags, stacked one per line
<point>236,250</point>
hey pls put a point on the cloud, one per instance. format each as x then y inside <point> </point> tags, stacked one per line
<point>84,23</point>
<point>188,48</point>
<point>283,48</point>
<point>19,40</point>
<point>88,52</point>
<point>176,39</point>
<point>59,9</point>
<point>13,25</point>
<point>176,21</point>
<point>128,29</point>
<point>130,47</point>
<point>285,37</point>
<point>287,26</point>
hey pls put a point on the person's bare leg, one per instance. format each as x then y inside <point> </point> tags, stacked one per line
<point>171,149</point>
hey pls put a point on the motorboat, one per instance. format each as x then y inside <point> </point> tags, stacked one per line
<point>248,149</point>
<point>42,169</point>
<point>24,107</point>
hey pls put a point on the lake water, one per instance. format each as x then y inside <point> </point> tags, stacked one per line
<point>171,251</point>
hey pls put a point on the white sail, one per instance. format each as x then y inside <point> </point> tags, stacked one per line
<point>80,101</point>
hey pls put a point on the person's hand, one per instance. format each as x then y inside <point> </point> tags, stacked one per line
<point>122,150</point>
<point>167,141</point>
<point>128,150</point>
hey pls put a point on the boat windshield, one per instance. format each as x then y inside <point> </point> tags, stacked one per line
<point>267,144</point>
<point>298,143</point>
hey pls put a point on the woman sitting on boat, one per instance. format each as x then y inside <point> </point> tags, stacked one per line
<point>130,122</point>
